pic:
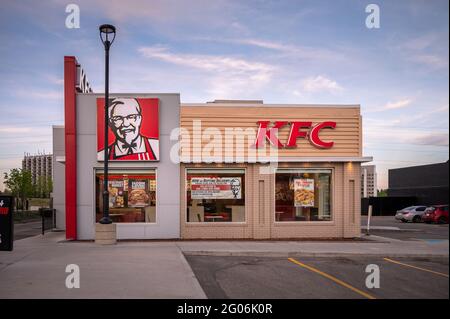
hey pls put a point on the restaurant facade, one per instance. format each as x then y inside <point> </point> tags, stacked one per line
<point>217,170</point>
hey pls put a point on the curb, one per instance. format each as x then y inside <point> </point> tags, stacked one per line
<point>308,254</point>
<point>381,230</point>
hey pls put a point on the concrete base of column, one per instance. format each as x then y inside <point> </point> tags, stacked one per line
<point>105,234</point>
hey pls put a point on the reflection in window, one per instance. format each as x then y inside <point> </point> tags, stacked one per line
<point>132,197</point>
<point>303,195</point>
<point>215,195</point>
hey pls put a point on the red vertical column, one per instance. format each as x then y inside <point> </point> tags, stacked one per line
<point>70,128</point>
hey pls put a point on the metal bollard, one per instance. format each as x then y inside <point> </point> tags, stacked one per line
<point>41,211</point>
<point>369,216</point>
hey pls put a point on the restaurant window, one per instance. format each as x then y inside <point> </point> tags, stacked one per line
<point>303,195</point>
<point>132,196</point>
<point>215,195</point>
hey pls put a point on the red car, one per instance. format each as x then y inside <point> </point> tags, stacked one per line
<point>436,214</point>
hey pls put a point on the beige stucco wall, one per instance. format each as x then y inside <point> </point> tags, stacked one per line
<point>260,188</point>
<point>346,136</point>
<point>260,207</point>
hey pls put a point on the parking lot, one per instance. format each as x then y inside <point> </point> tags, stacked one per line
<point>322,278</point>
<point>407,231</point>
<point>332,277</point>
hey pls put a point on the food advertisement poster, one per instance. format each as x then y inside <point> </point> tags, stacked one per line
<point>216,188</point>
<point>137,193</point>
<point>303,192</point>
<point>116,190</point>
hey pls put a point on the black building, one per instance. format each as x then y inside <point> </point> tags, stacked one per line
<point>428,183</point>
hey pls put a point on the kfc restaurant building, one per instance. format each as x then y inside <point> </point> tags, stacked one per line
<point>217,170</point>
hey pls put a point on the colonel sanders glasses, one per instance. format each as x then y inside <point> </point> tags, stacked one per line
<point>119,120</point>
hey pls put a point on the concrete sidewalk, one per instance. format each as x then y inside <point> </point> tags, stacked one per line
<point>158,269</point>
<point>36,269</point>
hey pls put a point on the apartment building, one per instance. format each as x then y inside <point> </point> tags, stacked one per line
<point>368,181</point>
<point>39,165</point>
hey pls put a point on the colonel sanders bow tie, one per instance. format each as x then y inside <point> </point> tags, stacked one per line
<point>129,148</point>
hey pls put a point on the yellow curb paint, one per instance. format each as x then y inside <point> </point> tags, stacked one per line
<point>415,267</point>
<point>338,281</point>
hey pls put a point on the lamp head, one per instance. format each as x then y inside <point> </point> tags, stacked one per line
<point>107,34</point>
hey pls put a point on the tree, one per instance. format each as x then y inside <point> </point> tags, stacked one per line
<point>20,184</point>
<point>39,186</point>
<point>43,186</point>
<point>382,193</point>
<point>49,185</point>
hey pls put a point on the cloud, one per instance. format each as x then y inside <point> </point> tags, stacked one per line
<point>438,139</point>
<point>205,62</point>
<point>413,127</point>
<point>44,94</point>
<point>428,118</point>
<point>404,130</point>
<point>397,105</point>
<point>320,84</point>
<point>434,61</point>
<point>377,135</point>
<point>391,105</point>
<point>443,108</point>
<point>421,42</point>
<point>302,52</point>
<point>54,79</point>
<point>167,15</point>
<point>15,129</point>
<point>265,44</point>
<point>426,49</point>
<point>226,75</point>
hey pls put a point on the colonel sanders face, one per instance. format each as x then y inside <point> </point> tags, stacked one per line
<point>125,119</point>
<point>235,187</point>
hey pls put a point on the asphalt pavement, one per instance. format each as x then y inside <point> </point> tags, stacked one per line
<point>320,278</point>
<point>406,231</point>
<point>244,271</point>
<point>27,229</point>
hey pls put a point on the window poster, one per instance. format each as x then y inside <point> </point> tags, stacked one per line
<point>216,188</point>
<point>303,192</point>
<point>137,193</point>
<point>116,193</point>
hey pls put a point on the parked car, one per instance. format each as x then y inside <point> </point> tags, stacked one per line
<point>436,214</point>
<point>411,214</point>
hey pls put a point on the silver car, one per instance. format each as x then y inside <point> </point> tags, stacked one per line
<point>411,214</point>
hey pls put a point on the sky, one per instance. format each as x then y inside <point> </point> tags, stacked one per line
<point>304,52</point>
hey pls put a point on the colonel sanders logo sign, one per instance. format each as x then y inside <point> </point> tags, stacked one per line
<point>133,129</point>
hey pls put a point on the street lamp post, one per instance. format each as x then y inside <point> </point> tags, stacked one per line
<point>106,32</point>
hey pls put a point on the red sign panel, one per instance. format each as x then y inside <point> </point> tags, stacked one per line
<point>133,132</point>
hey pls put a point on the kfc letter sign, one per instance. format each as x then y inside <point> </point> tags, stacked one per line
<point>298,130</point>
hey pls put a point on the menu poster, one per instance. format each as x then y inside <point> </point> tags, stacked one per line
<point>303,192</point>
<point>216,188</point>
<point>115,188</point>
<point>137,193</point>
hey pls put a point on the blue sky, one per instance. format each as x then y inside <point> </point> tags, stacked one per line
<point>278,51</point>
